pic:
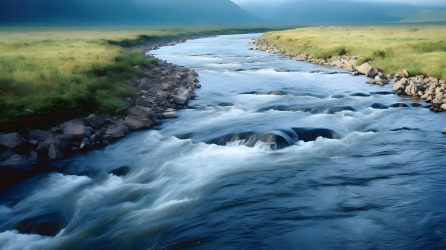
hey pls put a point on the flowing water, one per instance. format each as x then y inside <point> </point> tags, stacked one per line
<point>272,154</point>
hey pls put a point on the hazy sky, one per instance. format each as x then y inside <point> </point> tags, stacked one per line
<point>440,3</point>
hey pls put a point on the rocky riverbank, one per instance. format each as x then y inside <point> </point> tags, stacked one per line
<point>430,89</point>
<point>163,89</point>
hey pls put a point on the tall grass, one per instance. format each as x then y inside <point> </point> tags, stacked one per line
<point>75,71</point>
<point>419,48</point>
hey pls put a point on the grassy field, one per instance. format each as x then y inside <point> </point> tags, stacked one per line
<point>63,73</point>
<point>419,48</point>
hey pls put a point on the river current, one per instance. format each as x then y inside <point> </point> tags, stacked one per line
<point>272,154</point>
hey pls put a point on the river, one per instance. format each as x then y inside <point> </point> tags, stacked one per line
<point>244,167</point>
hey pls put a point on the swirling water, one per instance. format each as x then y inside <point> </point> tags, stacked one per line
<point>215,179</point>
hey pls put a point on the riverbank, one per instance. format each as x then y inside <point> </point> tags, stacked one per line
<point>53,131</point>
<point>430,89</point>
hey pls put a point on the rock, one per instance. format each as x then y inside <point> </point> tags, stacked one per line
<point>382,82</point>
<point>340,108</point>
<point>15,163</point>
<point>95,121</point>
<point>355,73</point>
<point>360,95</point>
<point>115,131</point>
<point>147,113</point>
<point>54,153</point>
<point>406,73</point>
<point>39,135</point>
<point>367,70</point>
<point>63,143</point>
<point>416,105</point>
<point>144,84</point>
<point>15,142</point>
<point>76,129</point>
<point>5,155</point>
<point>444,131</point>
<point>121,171</point>
<point>400,75</point>
<point>136,123</point>
<point>400,85</point>
<point>169,115</point>
<point>181,100</point>
<point>399,105</point>
<point>197,85</point>
<point>379,106</point>
<point>437,101</point>
<point>443,106</point>
<point>370,82</point>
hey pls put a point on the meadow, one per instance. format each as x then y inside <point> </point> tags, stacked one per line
<point>62,73</point>
<point>419,48</point>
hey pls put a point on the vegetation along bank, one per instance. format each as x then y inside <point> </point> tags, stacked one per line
<point>64,91</point>
<point>413,57</point>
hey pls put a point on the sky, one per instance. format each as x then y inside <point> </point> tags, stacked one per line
<point>433,3</point>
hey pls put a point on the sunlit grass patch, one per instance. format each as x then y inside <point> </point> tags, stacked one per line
<point>419,48</point>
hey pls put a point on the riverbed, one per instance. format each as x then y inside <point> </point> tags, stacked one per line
<point>271,154</point>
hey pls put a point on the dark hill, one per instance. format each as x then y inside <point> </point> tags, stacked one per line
<point>123,12</point>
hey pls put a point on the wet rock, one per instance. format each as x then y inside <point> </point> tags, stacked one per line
<point>95,121</point>
<point>39,135</point>
<point>115,131</point>
<point>355,73</point>
<point>169,115</point>
<point>136,123</point>
<point>15,142</point>
<point>360,94</point>
<point>379,106</point>
<point>416,105</point>
<point>13,162</point>
<point>444,131</point>
<point>54,153</point>
<point>400,85</point>
<point>382,93</point>
<point>76,129</point>
<point>121,171</point>
<point>277,92</point>
<point>225,104</point>
<point>337,96</point>
<point>370,82</point>
<point>311,134</point>
<point>340,109</point>
<point>399,105</point>
<point>181,100</point>
<point>63,143</point>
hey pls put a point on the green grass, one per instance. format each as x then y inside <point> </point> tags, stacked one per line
<point>67,72</point>
<point>419,48</point>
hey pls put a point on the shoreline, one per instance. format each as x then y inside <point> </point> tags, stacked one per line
<point>164,89</point>
<point>430,89</point>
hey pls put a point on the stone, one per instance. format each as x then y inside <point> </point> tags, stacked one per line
<point>181,100</point>
<point>400,74</point>
<point>444,131</point>
<point>443,106</point>
<point>355,73</point>
<point>382,82</point>
<point>39,135</point>
<point>144,84</point>
<point>76,129</point>
<point>15,142</point>
<point>54,153</point>
<point>95,121</point>
<point>367,70</point>
<point>115,131</point>
<point>400,85</point>
<point>15,162</point>
<point>379,106</point>
<point>406,73</point>
<point>49,224</point>
<point>370,82</point>
<point>197,85</point>
<point>121,171</point>
<point>437,101</point>
<point>147,113</point>
<point>169,115</point>
<point>63,143</point>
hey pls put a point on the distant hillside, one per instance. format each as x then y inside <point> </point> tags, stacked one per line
<point>321,12</point>
<point>123,12</point>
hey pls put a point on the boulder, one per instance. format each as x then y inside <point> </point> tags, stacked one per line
<point>443,106</point>
<point>444,131</point>
<point>181,100</point>
<point>76,129</point>
<point>367,70</point>
<point>406,73</point>
<point>15,142</point>
<point>147,113</point>
<point>121,171</point>
<point>62,143</point>
<point>144,84</point>
<point>15,162</point>
<point>54,153</point>
<point>136,123</point>
<point>193,72</point>
<point>95,121</point>
<point>39,135</point>
<point>400,85</point>
<point>400,74</point>
<point>169,115</point>
<point>115,131</point>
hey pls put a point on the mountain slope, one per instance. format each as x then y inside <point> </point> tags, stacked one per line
<point>123,12</point>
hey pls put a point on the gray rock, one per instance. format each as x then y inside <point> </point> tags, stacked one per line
<point>15,142</point>
<point>16,162</point>
<point>444,131</point>
<point>181,100</point>
<point>95,121</point>
<point>5,155</point>
<point>169,115</point>
<point>400,85</point>
<point>147,113</point>
<point>115,131</point>
<point>76,129</point>
<point>39,135</point>
<point>367,70</point>
<point>63,143</point>
<point>54,153</point>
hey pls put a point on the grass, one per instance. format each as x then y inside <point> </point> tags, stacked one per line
<point>419,48</point>
<point>62,73</point>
